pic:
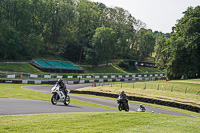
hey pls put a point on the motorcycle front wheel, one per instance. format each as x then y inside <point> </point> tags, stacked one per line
<point>67,101</point>
<point>53,99</point>
<point>120,107</point>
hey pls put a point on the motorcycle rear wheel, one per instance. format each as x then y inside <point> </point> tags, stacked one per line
<point>127,108</point>
<point>53,99</point>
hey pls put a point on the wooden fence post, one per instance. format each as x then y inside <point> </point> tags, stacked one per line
<point>145,86</point>
<point>185,90</point>
<point>158,87</point>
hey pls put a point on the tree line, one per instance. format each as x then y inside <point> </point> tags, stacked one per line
<point>85,31</point>
<point>78,30</point>
<point>180,54</point>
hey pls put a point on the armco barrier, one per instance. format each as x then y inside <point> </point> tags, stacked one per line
<point>98,76</point>
<point>142,99</point>
<point>79,82</point>
<point>11,81</point>
<point>115,80</point>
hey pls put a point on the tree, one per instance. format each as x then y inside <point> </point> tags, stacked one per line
<point>122,22</point>
<point>161,50</point>
<point>102,45</point>
<point>183,47</point>
<point>88,21</point>
<point>145,43</point>
<point>65,28</point>
<point>10,42</point>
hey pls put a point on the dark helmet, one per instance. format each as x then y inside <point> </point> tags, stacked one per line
<point>122,92</point>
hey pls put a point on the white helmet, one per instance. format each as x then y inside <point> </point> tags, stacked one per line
<point>59,80</point>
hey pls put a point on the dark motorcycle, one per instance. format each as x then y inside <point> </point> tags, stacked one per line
<point>122,104</point>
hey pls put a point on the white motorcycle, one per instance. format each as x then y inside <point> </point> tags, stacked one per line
<point>59,96</point>
<point>141,110</point>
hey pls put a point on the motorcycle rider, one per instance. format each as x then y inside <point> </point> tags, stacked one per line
<point>62,86</point>
<point>123,96</point>
<point>142,107</point>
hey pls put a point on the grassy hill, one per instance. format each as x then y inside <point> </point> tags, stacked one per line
<point>15,67</point>
<point>27,68</point>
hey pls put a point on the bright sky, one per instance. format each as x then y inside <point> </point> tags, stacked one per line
<point>158,15</point>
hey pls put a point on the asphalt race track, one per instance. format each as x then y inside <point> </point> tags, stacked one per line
<point>23,106</point>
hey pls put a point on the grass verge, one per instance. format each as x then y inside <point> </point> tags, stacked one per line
<point>180,92</point>
<point>99,122</point>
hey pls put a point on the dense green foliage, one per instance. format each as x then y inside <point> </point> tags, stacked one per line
<point>102,45</point>
<point>85,31</point>
<point>78,30</point>
<point>180,54</point>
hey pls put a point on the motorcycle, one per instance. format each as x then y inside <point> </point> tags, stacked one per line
<point>122,104</point>
<point>59,96</point>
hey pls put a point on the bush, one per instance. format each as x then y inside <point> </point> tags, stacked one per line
<point>123,64</point>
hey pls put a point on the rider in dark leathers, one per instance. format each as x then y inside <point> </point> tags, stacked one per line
<point>62,86</point>
<point>123,96</point>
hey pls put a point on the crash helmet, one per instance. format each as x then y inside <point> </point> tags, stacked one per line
<point>122,92</point>
<point>59,80</point>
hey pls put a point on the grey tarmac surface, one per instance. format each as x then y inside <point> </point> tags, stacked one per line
<point>9,106</point>
<point>110,103</point>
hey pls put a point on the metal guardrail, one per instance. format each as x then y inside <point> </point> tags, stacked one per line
<point>82,81</point>
<point>80,76</point>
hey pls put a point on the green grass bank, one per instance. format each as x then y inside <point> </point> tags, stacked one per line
<point>119,122</point>
<point>27,68</point>
<point>175,91</point>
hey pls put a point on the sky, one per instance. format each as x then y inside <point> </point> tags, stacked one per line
<point>158,15</point>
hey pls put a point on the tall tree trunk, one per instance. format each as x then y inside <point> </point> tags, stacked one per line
<point>79,62</point>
